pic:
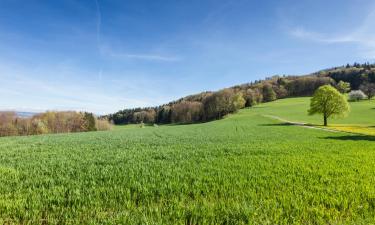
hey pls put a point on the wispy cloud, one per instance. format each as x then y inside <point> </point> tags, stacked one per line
<point>363,36</point>
<point>150,57</point>
<point>107,51</point>
<point>302,33</point>
<point>22,89</point>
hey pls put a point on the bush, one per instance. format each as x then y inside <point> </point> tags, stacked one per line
<point>103,125</point>
<point>356,95</point>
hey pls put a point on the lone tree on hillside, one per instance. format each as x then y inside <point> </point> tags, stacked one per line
<point>329,102</point>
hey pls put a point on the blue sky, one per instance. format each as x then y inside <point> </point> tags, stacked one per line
<point>106,55</point>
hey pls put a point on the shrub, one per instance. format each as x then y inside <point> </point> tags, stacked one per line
<point>103,125</point>
<point>356,95</point>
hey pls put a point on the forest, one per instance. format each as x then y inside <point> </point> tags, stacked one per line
<point>208,106</point>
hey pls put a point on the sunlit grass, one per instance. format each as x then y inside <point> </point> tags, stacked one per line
<point>361,118</point>
<point>245,169</point>
<point>360,129</point>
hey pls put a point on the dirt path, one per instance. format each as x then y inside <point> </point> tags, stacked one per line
<point>305,125</point>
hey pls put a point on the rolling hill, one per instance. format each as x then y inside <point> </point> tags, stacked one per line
<point>243,169</point>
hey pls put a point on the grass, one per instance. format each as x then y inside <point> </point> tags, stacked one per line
<point>245,169</point>
<point>361,118</point>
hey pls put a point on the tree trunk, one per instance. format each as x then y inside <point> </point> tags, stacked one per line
<point>325,120</point>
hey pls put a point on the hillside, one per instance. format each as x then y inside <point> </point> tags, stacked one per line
<point>208,106</point>
<point>26,114</point>
<point>244,169</point>
<point>360,119</point>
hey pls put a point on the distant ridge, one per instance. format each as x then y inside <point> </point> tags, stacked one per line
<point>26,114</point>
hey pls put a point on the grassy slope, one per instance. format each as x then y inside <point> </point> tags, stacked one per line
<point>295,109</point>
<point>243,169</point>
<point>361,119</point>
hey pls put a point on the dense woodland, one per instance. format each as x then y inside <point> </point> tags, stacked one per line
<point>50,122</point>
<point>207,106</point>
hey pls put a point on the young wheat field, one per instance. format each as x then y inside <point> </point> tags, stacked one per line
<point>244,169</point>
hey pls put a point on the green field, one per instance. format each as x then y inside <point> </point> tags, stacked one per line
<point>295,109</point>
<point>361,118</point>
<point>245,169</point>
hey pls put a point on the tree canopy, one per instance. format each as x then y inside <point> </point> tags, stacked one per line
<point>343,87</point>
<point>328,102</point>
<point>368,89</point>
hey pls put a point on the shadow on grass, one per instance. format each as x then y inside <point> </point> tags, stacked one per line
<point>276,124</point>
<point>352,138</point>
<point>287,124</point>
<point>258,107</point>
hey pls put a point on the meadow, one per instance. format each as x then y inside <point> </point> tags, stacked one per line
<point>244,169</point>
<point>359,120</point>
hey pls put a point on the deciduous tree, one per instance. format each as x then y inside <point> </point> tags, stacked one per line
<point>356,95</point>
<point>268,93</point>
<point>368,89</point>
<point>328,102</point>
<point>343,87</point>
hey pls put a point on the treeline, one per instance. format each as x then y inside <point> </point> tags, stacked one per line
<point>207,106</point>
<point>50,122</point>
<point>356,74</point>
